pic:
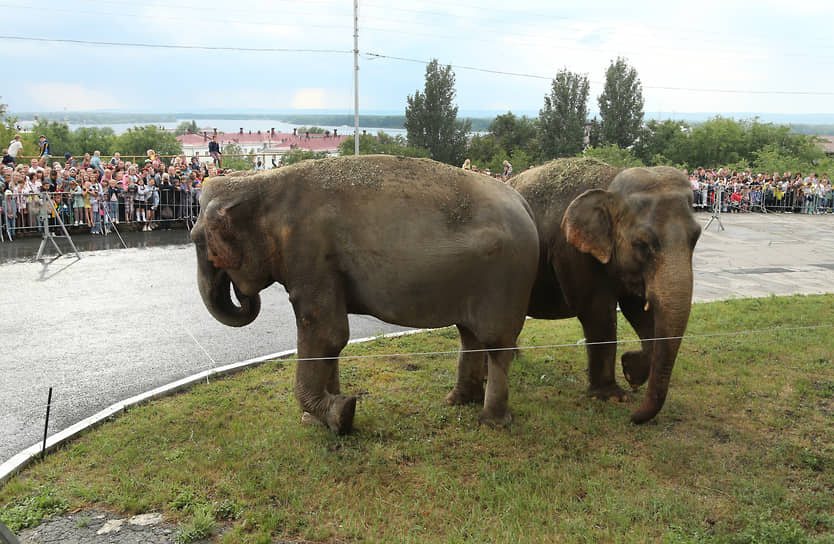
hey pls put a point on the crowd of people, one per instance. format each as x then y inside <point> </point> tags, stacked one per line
<point>96,194</point>
<point>733,191</point>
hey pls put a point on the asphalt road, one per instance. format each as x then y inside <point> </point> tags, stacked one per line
<point>119,322</point>
<point>116,323</point>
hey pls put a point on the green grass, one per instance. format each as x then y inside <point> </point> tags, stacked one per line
<point>743,451</point>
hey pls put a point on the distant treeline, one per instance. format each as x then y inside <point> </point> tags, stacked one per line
<point>311,119</point>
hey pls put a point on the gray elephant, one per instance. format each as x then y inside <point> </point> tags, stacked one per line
<point>409,241</point>
<point>612,237</point>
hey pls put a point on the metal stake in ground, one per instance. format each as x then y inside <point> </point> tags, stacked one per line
<point>716,209</point>
<point>46,424</point>
<point>48,206</point>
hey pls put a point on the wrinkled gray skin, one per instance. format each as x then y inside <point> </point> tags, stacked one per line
<point>409,241</point>
<point>629,243</point>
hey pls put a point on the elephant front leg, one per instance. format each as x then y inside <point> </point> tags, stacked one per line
<point>469,386</point>
<point>637,364</point>
<point>599,323</point>
<point>320,340</point>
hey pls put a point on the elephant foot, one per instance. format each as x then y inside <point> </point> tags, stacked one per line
<point>470,395</point>
<point>613,393</point>
<point>492,420</point>
<point>636,368</point>
<point>309,419</point>
<point>339,418</point>
<point>340,415</point>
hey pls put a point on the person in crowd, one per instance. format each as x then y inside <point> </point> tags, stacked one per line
<point>88,204</point>
<point>129,192</point>
<point>10,208</point>
<point>214,151</point>
<point>141,199</point>
<point>508,170</point>
<point>194,166</point>
<point>96,205</point>
<point>14,148</point>
<point>166,201</point>
<point>43,146</point>
<point>152,199</point>
<point>259,165</point>
<point>95,162</point>
<point>115,159</point>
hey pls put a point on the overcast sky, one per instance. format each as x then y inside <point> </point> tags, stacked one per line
<point>765,56</point>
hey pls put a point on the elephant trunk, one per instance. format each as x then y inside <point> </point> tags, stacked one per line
<point>671,302</point>
<point>215,289</point>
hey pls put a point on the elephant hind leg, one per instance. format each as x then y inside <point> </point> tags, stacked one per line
<point>469,386</point>
<point>496,410</point>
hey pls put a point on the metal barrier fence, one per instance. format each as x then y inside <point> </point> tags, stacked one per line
<point>800,199</point>
<point>164,207</point>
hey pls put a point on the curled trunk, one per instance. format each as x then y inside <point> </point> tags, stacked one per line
<point>215,288</point>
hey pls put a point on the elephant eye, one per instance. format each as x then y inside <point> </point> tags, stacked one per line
<point>642,248</point>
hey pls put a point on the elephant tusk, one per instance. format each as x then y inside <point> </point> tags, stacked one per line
<point>646,307</point>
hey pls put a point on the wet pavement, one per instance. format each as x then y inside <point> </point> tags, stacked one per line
<point>114,324</point>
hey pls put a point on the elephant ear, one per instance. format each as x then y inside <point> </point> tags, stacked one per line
<point>588,223</point>
<point>223,250</point>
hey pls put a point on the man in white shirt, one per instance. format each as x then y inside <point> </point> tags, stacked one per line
<point>14,147</point>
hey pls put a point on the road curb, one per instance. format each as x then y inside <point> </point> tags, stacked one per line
<point>23,459</point>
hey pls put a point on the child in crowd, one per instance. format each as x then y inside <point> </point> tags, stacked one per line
<point>77,202</point>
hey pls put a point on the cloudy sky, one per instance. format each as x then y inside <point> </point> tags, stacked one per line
<point>278,55</point>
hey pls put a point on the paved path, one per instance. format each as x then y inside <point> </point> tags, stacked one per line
<point>115,324</point>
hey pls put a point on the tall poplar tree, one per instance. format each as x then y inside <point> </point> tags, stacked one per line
<point>621,104</point>
<point>431,117</point>
<point>562,120</point>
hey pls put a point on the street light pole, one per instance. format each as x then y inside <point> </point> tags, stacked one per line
<point>356,77</point>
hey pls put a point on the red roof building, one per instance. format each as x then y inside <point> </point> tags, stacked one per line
<point>266,142</point>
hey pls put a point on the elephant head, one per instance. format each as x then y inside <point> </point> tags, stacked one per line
<point>226,258</point>
<point>643,230</point>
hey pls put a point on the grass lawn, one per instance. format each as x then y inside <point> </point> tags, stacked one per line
<point>742,452</point>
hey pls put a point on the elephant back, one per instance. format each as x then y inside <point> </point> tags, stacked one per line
<point>560,181</point>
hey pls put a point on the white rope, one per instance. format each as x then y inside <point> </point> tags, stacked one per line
<point>40,409</point>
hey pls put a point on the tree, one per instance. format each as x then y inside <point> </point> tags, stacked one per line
<point>621,104</point>
<point>136,141</point>
<point>234,158</point>
<point>613,155</point>
<point>562,120</point>
<point>89,139</point>
<point>8,128</point>
<point>431,117</point>
<point>382,143</point>
<point>187,128</point>
<point>60,138</point>
<point>512,132</point>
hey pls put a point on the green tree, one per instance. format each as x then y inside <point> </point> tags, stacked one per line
<point>562,120</point>
<point>613,155</point>
<point>89,139</point>
<point>311,130</point>
<point>595,133</point>
<point>431,117</point>
<point>513,132</point>
<point>8,130</point>
<point>137,140</point>
<point>61,140</point>
<point>298,155</point>
<point>662,141</point>
<point>382,143</point>
<point>234,158</point>
<point>186,128</point>
<point>621,104</point>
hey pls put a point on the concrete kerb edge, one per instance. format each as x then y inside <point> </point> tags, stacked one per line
<point>20,461</point>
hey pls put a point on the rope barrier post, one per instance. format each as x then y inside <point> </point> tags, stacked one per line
<point>46,424</point>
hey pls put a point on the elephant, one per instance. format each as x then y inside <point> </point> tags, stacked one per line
<point>410,241</point>
<point>612,236</point>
